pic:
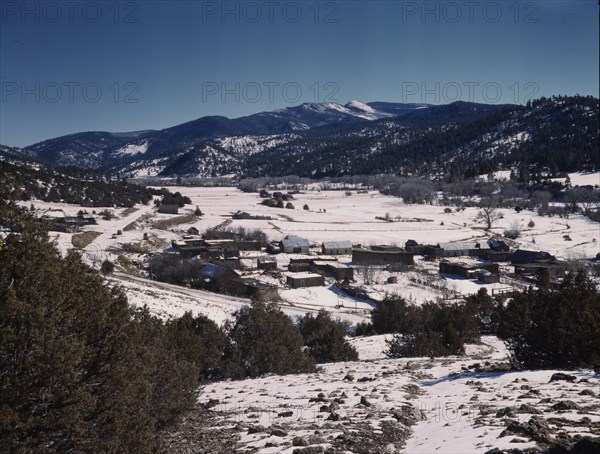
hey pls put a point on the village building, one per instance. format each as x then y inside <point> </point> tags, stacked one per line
<point>218,278</point>
<point>337,270</point>
<point>301,280</point>
<point>260,291</point>
<point>292,244</point>
<point>267,262</point>
<point>411,246</point>
<point>62,224</point>
<point>235,245</point>
<point>225,250</point>
<point>524,256</point>
<point>82,219</point>
<point>193,231</point>
<point>498,256</point>
<point>488,277</point>
<point>222,279</point>
<point>168,209</point>
<point>471,270</point>
<point>336,247</point>
<point>382,255</point>
<point>465,249</point>
<point>553,270</point>
<point>229,258</point>
<point>188,248</point>
<point>300,264</point>
<point>297,267</point>
<point>241,215</point>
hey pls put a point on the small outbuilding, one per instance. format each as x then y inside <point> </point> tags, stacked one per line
<point>243,215</point>
<point>300,280</point>
<point>337,247</point>
<point>455,249</point>
<point>382,255</point>
<point>260,291</point>
<point>523,256</point>
<point>469,271</point>
<point>267,262</point>
<point>168,209</point>
<point>552,270</point>
<point>292,244</point>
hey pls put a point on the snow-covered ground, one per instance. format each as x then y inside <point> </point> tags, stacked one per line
<point>459,407</point>
<point>583,179</point>
<point>171,301</point>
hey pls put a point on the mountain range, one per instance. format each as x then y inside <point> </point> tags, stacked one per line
<point>330,139</point>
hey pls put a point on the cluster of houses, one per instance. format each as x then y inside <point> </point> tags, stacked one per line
<point>226,250</point>
<point>223,279</point>
<point>223,262</point>
<point>59,222</point>
<point>530,265</point>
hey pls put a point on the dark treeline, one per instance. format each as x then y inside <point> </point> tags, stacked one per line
<point>74,186</point>
<point>544,328</point>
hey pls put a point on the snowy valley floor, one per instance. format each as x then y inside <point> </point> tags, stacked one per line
<point>457,405</point>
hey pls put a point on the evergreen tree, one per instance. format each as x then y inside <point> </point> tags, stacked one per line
<point>80,371</point>
<point>325,338</point>
<point>264,340</point>
<point>199,341</point>
<point>554,328</point>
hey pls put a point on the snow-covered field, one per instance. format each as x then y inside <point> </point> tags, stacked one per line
<point>332,215</point>
<point>416,405</point>
<point>583,179</point>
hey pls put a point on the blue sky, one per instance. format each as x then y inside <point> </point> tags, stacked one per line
<point>75,66</point>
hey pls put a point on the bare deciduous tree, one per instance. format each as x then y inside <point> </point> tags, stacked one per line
<point>488,211</point>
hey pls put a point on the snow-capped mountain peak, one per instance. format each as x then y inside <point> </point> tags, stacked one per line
<point>358,105</point>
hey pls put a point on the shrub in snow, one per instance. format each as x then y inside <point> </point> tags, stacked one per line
<point>325,338</point>
<point>364,329</point>
<point>547,329</point>
<point>435,329</point>
<point>513,234</point>
<point>264,340</point>
<point>485,309</point>
<point>200,342</point>
<point>391,316</point>
<point>107,267</point>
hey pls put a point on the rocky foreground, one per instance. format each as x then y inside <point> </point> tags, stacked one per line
<point>469,404</point>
